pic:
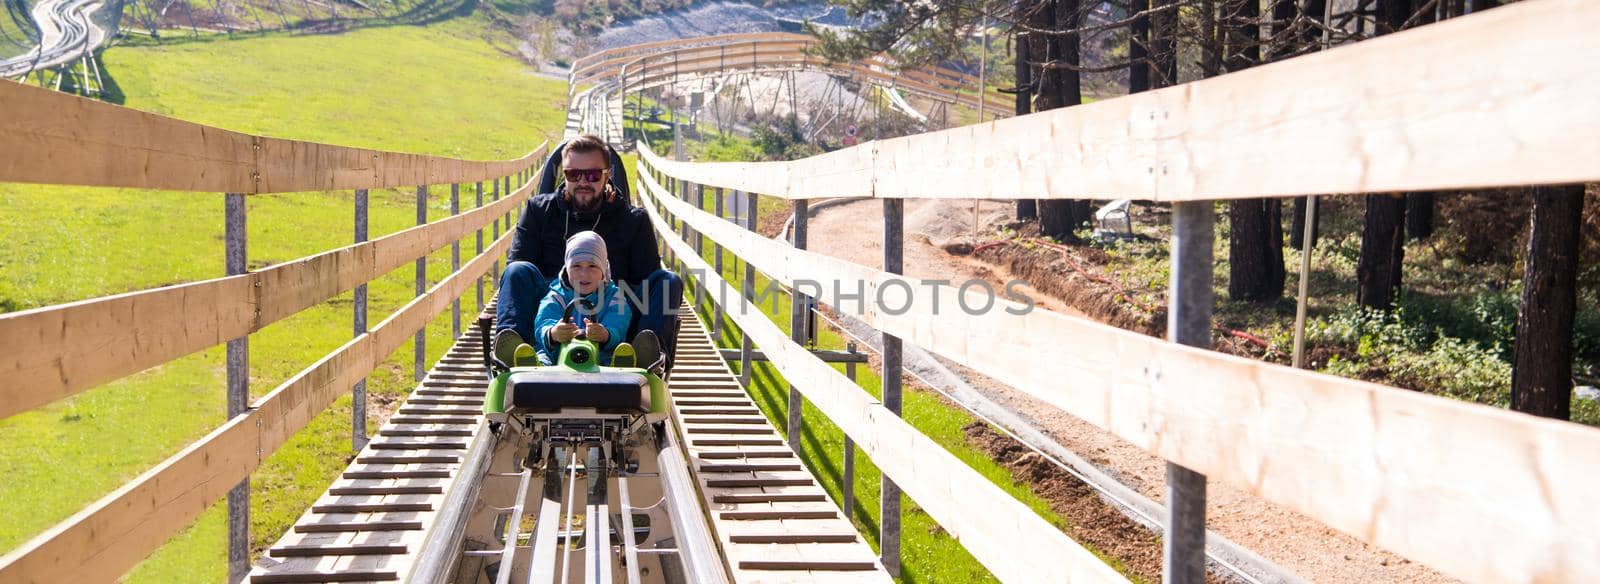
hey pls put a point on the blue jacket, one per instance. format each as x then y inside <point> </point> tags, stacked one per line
<point>612,310</point>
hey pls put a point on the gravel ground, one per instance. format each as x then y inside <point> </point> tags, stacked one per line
<point>717,18</point>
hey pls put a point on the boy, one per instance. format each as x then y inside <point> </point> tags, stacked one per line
<point>585,273</point>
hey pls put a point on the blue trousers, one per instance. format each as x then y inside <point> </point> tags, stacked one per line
<point>655,302</point>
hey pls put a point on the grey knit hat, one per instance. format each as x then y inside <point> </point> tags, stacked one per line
<point>587,245</point>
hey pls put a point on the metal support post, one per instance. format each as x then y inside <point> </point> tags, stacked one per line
<point>238,359</point>
<point>495,234</point>
<point>1188,323</point>
<point>699,203</point>
<point>358,394</point>
<point>797,325</point>
<point>716,320</point>
<point>849,486</point>
<point>479,251</point>
<point>749,292</point>
<point>1308,242</point>
<point>889,510</point>
<point>455,263</point>
<point>419,349</point>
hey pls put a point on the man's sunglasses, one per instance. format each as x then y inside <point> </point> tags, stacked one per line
<point>584,174</point>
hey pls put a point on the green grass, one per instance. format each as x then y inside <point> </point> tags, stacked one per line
<point>17,30</point>
<point>445,89</point>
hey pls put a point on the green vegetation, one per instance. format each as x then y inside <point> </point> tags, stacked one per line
<point>17,30</point>
<point>443,89</point>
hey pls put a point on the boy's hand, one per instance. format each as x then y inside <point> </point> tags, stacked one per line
<point>597,333</point>
<point>563,332</point>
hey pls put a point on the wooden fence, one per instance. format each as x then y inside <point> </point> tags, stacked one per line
<point>1493,99</point>
<point>59,351</point>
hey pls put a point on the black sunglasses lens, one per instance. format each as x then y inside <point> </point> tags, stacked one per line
<point>588,175</point>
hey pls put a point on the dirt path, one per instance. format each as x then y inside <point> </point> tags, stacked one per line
<point>854,232</point>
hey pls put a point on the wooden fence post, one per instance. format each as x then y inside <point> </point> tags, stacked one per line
<point>849,486</point>
<point>455,263</point>
<point>1188,323</point>
<point>749,291</point>
<point>797,326</point>
<point>358,394</point>
<point>419,349</point>
<point>716,318</point>
<point>238,365</point>
<point>480,246</point>
<point>494,273</point>
<point>889,509</point>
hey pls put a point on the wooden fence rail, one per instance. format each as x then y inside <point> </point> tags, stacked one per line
<point>63,350</point>
<point>1490,99</point>
<point>739,49</point>
<point>54,138</point>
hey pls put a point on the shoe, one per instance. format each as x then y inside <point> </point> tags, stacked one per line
<point>506,343</point>
<point>526,356</point>
<point>624,357</point>
<point>647,351</point>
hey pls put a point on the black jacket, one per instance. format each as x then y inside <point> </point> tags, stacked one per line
<point>547,222</point>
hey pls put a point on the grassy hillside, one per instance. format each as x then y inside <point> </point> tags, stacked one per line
<point>17,30</point>
<point>444,89</point>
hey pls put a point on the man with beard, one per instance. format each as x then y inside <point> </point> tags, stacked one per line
<point>588,201</point>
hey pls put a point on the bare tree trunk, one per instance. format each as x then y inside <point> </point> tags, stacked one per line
<point>1419,215</point>
<point>1139,48</point>
<point>1255,243</point>
<point>1379,271</point>
<point>1297,227</point>
<point>1541,374</point>
<point>1060,86</point>
<point>1164,46</point>
<point>1026,208</point>
<point>1382,252</point>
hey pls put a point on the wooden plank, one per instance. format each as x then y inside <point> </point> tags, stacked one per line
<point>370,507</point>
<point>421,473</point>
<point>295,577</point>
<point>779,513</point>
<point>57,138</point>
<point>1002,533</point>
<point>341,526</point>
<point>743,453</point>
<point>337,550</point>
<point>422,445</point>
<point>765,497</point>
<point>403,419</point>
<point>787,537</point>
<point>1392,467</point>
<point>748,467</point>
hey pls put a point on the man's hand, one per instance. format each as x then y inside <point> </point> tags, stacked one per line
<point>563,332</point>
<point>597,333</point>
